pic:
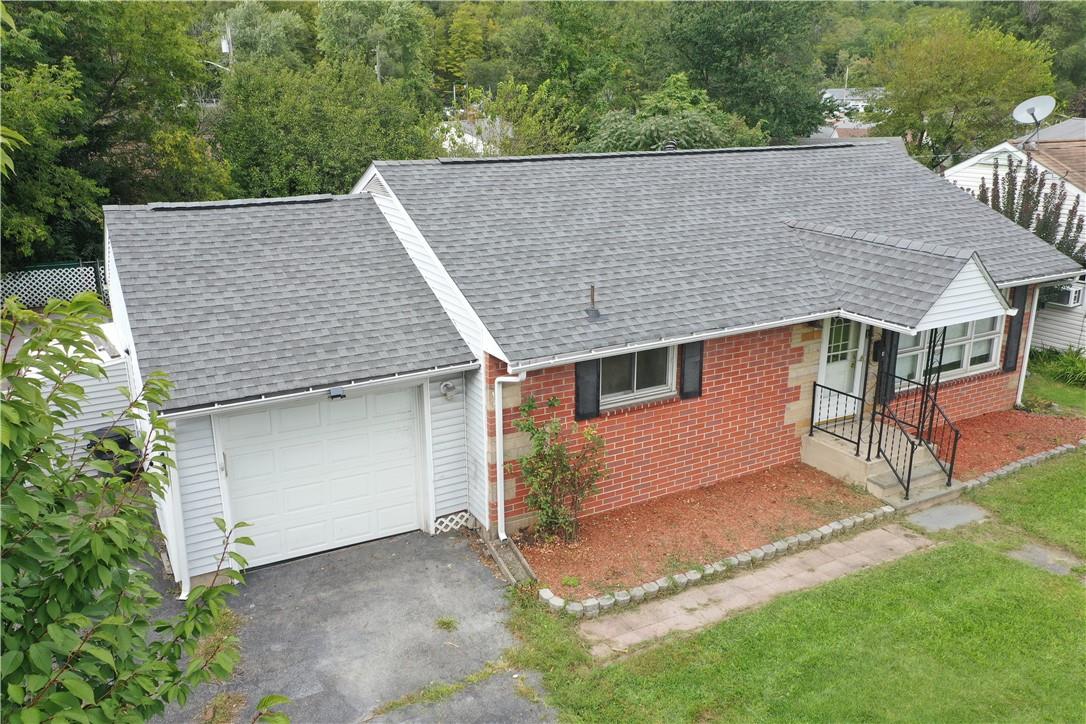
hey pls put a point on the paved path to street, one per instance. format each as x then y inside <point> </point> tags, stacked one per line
<point>702,606</point>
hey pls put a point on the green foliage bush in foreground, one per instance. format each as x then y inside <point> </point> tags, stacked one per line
<point>1068,366</point>
<point>561,471</point>
<point>81,641</point>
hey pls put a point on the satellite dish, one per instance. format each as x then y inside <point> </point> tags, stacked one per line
<point>1034,110</point>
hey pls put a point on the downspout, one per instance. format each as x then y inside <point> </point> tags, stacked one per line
<point>499,442</point>
<point>1029,342</point>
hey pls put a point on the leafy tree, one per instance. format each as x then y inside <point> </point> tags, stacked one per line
<point>47,201</point>
<point>110,76</point>
<point>757,59</point>
<point>80,638</point>
<point>1020,194</point>
<point>950,88</point>
<point>182,165</point>
<point>259,33</point>
<point>465,44</point>
<point>394,37</point>
<point>677,114</point>
<point>290,132</point>
<point>516,121</point>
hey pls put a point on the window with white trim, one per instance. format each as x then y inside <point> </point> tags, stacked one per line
<point>970,347</point>
<point>637,377</point>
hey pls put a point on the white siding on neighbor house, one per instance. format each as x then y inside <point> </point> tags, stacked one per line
<point>1060,327</point>
<point>102,401</point>
<point>201,498</point>
<point>458,308</point>
<point>969,296</point>
<point>475,398</point>
<point>968,174</point>
<point>449,447</point>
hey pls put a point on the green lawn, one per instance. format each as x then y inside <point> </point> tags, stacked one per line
<point>1044,394</point>
<point>960,633</point>
<point>1047,501</point>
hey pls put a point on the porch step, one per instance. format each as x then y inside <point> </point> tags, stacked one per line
<point>924,498</point>
<point>925,475</point>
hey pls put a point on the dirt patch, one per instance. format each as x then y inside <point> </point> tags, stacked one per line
<point>993,440</point>
<point>677,532</point>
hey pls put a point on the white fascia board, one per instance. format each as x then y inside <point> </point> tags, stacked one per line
<point>397,379</point>
<point>529,365</point>
<point>1042,279</point>
<point>448,293</point>
<point>366,176</point>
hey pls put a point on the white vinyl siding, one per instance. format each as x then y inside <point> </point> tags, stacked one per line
<point>102,401</point>
<point>1060,327</point>
<point>463,317</point>
<point>201,499</point>
<point>969,296</point>
<point>476,431</point>
<point>449,447</point>
<point>968,174</point>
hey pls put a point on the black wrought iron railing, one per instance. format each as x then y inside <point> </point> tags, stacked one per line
<point>917,408</point>
<point>837,413</point>
<point>896,446</point>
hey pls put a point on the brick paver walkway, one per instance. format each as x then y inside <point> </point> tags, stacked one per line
<point>708,604</point>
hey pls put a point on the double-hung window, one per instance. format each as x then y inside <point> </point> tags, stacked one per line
<point>970,347</point>
<point>637,377</point>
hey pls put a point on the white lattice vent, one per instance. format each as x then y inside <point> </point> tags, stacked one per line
<point>453,521</point>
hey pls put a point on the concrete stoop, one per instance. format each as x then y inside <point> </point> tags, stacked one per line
<point>838,458</point>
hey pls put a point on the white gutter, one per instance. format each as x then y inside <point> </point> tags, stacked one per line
<point>316,391</point>
<point>499,445</point>
<point>530,365</point>
<point>1040,280</point>
<point>1029,341</point>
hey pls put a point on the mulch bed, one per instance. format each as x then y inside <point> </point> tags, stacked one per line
<point>993,440</point>
<point>677,532</point>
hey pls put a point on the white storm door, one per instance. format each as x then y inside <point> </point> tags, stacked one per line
<point>841,369</point>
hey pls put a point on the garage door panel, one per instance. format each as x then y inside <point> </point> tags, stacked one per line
<point>302,456</point>
<point>323,474</point>
<point>352,409</point>
<point>401,402</point>
<point>298,417</point>
<point>305,497</point>
<point>396,517</point>
<point>250,463</point>
<point>250,425</point>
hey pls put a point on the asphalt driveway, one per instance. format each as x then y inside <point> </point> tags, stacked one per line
<point>344,632</point>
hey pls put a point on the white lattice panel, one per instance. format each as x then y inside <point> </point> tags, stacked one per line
<point>37,285</point>
<point>463,519</point>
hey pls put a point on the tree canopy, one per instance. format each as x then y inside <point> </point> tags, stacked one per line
<point>127,102</point>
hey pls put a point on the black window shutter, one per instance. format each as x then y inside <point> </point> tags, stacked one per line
<point>884,385</point>
<point>690,370</point>
<point>1014,336</point>
<point>588,390</point>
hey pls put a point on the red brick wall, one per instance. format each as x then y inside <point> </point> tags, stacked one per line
<point>737,426</point>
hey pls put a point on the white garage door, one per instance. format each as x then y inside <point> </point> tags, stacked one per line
<point>316,475</point>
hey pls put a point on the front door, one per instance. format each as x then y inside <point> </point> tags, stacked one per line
<point>841,369</point>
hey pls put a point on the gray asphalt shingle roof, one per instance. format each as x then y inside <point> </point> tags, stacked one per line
<point>238,299</point>
<point>686,243</point>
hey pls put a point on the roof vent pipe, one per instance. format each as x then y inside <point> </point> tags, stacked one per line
<point>592,312</point>
<point>671,145</point>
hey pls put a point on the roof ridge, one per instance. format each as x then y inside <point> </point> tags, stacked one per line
<point>897,242</point>
<point>233,203</point>
<point>620,154</point>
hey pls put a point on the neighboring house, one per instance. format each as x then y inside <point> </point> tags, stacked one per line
<point>701,308</point>
<point>1060,151</point>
